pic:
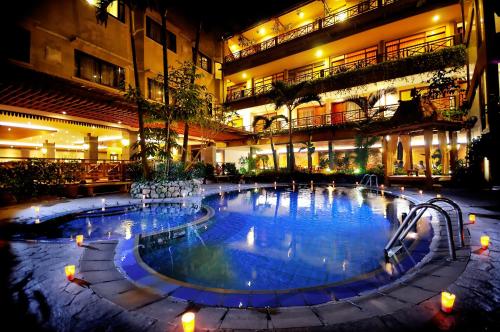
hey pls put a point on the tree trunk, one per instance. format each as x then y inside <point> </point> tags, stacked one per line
<point>309,162</point>
<point>195,60</point>
<point>275,159</point>
<point>291,157</point>
<point>166,128</point>
<point>142,141</point>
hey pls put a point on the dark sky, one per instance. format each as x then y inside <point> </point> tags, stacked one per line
<point>232,16</point>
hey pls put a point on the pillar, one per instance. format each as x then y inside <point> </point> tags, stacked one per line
<point>407,152</point>
<point>91,151</point>
<point>208,155</point>
<point>49,150</point>
<point>445,157</point>
<point>427,148</point>
<point>128,143</point>
<point>385,146</point>
<point>453,136</point>
<point>331,156</point>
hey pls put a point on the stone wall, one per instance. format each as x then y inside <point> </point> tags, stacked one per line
<point>165,189</point>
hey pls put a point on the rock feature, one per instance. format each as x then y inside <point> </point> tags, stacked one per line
<point>165,189</point>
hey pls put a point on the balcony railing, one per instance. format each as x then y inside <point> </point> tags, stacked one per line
<point>442,105</point>
<point>321,23</point>
<point>391,54</point>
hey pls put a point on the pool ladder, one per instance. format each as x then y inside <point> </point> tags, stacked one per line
<point>415,214</point>
<point>366,180</point>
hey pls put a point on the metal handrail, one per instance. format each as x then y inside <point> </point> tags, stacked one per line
<point>368,178</point>
<point>410,221</point>
<point>459,212</point>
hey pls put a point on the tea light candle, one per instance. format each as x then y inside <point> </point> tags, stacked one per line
<point>188,322</point>
<point>485,241</point>
<point>472,218</point>
<point>70,272</point>
<point>402,188</point>
<point>421,192</point>
<point>79,240</point>
<point>447,301</point>
<point>438,196</point>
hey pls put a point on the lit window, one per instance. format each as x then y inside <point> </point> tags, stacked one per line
<point>115,9</point>
<point>98,71</point>
<point>155,90</point>
<point>153,31</point>
<point>204,62</point>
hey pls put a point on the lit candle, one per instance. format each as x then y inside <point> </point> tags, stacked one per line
<point>472,218</point>
<point>312,182</point>
<point>70,272</point>
<point>420,192</point>
<point>485,241</point>
<point>357,182</point>
<point>402,188</point>
<point>438,195</point>
<point>447,301</point>
<point>382,186</point>
<point>79,240</point>
<point>188,322</point>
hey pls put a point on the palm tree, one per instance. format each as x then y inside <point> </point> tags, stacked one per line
<point>291,96</point>
<point>362,150</point>
<point>368,103</point>
<point>310,148</point>
<point>102,17</point>
<point>268,126</point>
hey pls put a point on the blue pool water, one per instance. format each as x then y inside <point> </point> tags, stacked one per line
<point>128,221</point>
<point>269,239</point>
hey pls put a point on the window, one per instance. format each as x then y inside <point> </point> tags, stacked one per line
<point>155,90</point>
<point>96,70</point>
<point>22,39</point>
<point>204,62</point>
<point>153,31</point>
<point>115,9</point>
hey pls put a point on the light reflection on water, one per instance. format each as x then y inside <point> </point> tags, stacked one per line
<point>282,239</point>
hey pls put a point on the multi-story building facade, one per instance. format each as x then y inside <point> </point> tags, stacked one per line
<point>62,96</point>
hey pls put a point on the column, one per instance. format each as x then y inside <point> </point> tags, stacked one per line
<point>385,146</point>
<point>427,147</point>
<point>208,155</point>
<point>331,156</point>
<point>128,141</point>
<point>91,144</point>
<point>49,150</point>
<point>407,152</point>
<point>445,157</point>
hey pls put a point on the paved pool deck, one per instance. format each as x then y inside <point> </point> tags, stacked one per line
<point>102,298</point>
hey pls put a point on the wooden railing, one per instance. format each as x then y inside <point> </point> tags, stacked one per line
<point>321,23</point>
<point>86,170</point>
<point>392,54</point>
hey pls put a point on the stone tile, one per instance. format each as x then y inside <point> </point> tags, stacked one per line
<point>340,312</point>
<point>244,319</point>
<point>432,283</point>
<point>134,298</point>
<point>295,318</point>
<point>410,294</point>
<point>98,255</point>
<point>164,309</point>
<point>209,319</point>
<point>381,304</point>
<point>95,277</point>
<point>109,289</point>
<point>96,265</point>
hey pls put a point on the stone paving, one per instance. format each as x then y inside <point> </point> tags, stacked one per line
<point>101,298</point>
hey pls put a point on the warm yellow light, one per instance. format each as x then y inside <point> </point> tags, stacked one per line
<point>300,13</point>
<point>44,150</point>
<point>319,53</point>
<point>402,188</point>
<point>125,142</point>
<point>485,241</point>
<point>92,2</point>
<point>420,192</point>
<point>79,240</point>
<point>435,18</point>
<point>188,322</point>
<point>342,16</point>
<point>86,146</point>
<point>233,47</point>
<point>261,31</point>
<point>70,272</point>
<point>438,196</point>
<point>447,301</point>
<point>244,75</point>
<point>387,138</point>
<point>472,218</point>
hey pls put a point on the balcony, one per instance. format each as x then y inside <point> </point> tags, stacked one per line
<point>362,16</point>
<point>319,24</point>
<point>392,55</point>
<point>443,107</point>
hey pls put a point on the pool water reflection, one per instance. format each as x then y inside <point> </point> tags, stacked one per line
<point>267,239</point>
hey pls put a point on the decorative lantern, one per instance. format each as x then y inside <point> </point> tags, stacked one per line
<point>447,301</point>
<point>188,322</point>
<point>79,240</point>
<point>485,241</point>
<point>70,272</point>
<point>472,218</point>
